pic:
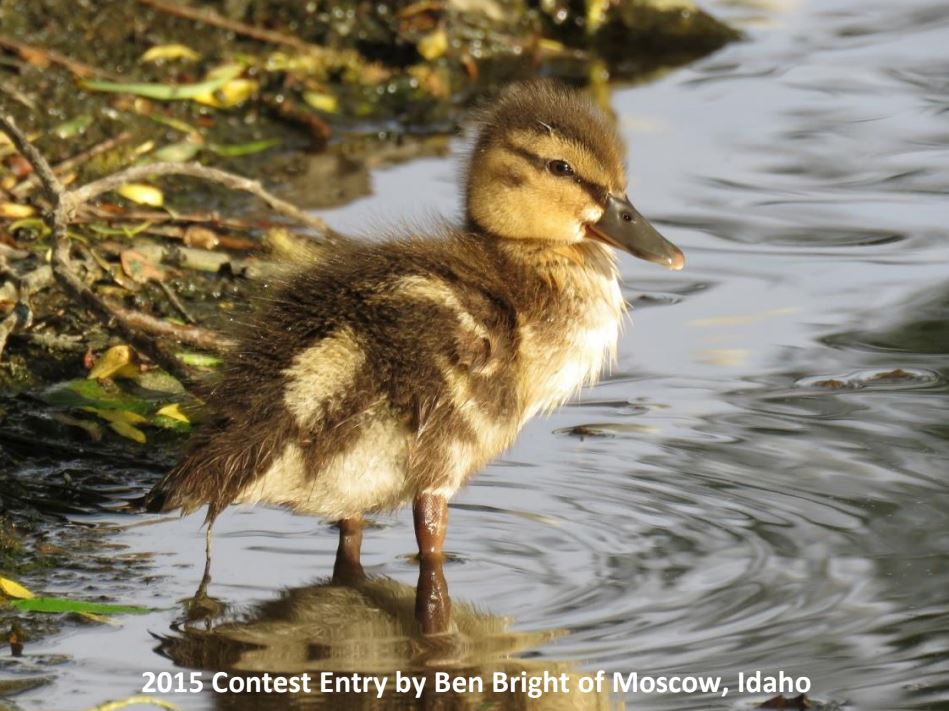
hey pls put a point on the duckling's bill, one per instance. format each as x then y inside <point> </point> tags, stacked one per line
<point>623,227</point>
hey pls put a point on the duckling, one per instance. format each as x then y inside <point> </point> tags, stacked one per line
<point>391,372</point>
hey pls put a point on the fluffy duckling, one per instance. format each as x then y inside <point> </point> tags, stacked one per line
<point>391,372</point>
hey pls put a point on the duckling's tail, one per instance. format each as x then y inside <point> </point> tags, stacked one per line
<point>220,462</point>
<point>178,489</point>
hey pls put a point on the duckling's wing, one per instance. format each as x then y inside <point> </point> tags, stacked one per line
<point>392,351</point>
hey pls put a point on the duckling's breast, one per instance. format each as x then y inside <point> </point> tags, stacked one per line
<point>569,346</point>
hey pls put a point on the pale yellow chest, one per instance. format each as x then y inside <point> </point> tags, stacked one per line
<point>569,348</point>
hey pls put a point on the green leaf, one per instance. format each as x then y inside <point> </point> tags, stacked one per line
<point>165,92</point>
<point>170,423</point>
<point>60,604</point>
<point>180,152</point>
<point>198,360</point>
<point>29,223</point>
<point>73,127</point>
<point>243,149</point>
<point>123,231</point>
<point>92,393</point>
<point>160,381</point>
<point>174,123</point>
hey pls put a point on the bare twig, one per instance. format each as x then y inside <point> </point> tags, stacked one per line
<point>27,186</point>
<point>90,191</point>
<point>286,109</point>
<point>8,252</point>
<point>56,342</point>
<point>50,182</point>
<point>36,280</point>
<point>185,335</point>
<point>208,17</point>
<point>11,90</point>
<point>6,328</point>
<point>31,52</point>
<point>159,216</point>
<point>176,303</point>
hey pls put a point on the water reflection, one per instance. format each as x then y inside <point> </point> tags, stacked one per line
<point>370,625</point>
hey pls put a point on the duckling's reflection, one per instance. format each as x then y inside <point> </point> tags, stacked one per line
<point>356,623</point>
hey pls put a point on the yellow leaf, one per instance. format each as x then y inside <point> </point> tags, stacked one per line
<point>233,92</point>
<point>112,361</point>
<point>321,102</point>
<point>122,422</point>
<point>166,52</point>
<point>14,589</point>
<point>129,432</point>
<point>142,194</point>
<point>174,412</point>
<point>129,371</point>
<point>16,211</point>
<point>143,148</point>
<point>126,417</point>
<point>596,14</point>
<point>551,45</point>
<point>433,45</point>
<point>224,71</point>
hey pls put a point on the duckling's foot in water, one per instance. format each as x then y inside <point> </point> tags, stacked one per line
<point>348,568</point>
<point>432,603</point>
<point>202,606</point>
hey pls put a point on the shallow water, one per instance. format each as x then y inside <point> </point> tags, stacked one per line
<point>759,484</point>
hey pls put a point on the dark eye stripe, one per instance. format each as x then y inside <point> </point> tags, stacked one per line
<point>598,192</point>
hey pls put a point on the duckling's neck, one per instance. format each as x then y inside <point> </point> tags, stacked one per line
<point>578,266</point>
<point>569,311</point>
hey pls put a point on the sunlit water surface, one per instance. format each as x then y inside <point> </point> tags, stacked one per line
<point>722,506</point>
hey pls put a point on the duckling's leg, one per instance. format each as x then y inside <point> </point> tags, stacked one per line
<point>348,568</point>
<point>202,606</point>
<point>432,603</point>
<point>206,578</point>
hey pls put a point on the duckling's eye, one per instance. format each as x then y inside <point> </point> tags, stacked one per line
<point>560,168</point>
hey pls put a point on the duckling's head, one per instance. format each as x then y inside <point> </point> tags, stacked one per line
<point>548,165</point>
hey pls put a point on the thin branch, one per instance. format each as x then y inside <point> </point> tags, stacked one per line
<point>50,182</point>
<point>51,56</point>
<point>7,252</point>
<point>26,186</point>
<point>209,17</point>
<point>10,89</point>
<point>6,328</point>
<point>196,336</point>
<point>90,191</point>
<point>176,303</point>
<point>159,216</point>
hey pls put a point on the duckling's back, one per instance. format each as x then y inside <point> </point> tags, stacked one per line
<point>382,372</point>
